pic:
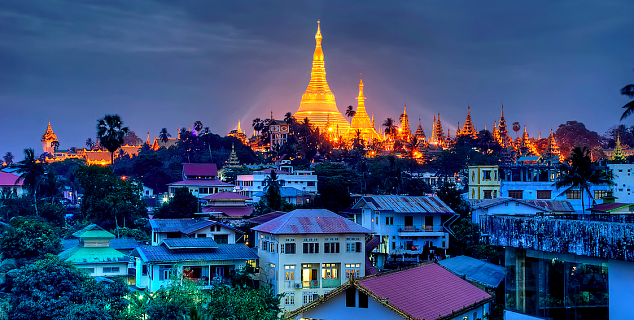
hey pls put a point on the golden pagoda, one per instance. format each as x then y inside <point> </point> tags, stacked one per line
<point>617,154</point>
<point>468,129</point>
<point>503,135</point>
<point>404,130</point>
<point>233,161</point>
<point>318,102</point>
<point>361,121</point>
<point>552,150</point>
<point>420,133</point>
<point>48,139</point>
<point>437,135</point>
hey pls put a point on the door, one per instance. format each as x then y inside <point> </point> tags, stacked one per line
<point>429,223</point>
<point>409,223</point>
<point>219,273</point>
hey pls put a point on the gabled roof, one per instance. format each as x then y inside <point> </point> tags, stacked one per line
<point>266,217</point>
<point>544,205</point>
<point>474,270</point>
<point>427,291</point>
<point>93,231</point>
<point>302,221</point>
<point>405,204</point>
<point>80,255</point>
<point>226,195</point>
<point>9,179</point>
<point>607,207</point>
<point>190,243</point>
<point>223,252</point>
<point>170,225</point>
<point>200,169</point>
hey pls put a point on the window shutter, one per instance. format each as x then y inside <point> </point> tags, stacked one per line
<point>305,247</point>
<point>358,246</point>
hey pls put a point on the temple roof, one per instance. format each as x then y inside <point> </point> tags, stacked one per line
<point>49,135</point>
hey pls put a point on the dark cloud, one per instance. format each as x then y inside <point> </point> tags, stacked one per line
<point>170,63</point>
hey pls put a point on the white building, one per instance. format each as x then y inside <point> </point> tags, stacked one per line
<point>518,207</point>
<point>251,184</point>
<point>221,233</point>
<point>201,179</point>
<point>309,252</point>
<point>427,291</point>
<point>9,183</point>
<point>623,182</point>
<point>405,224</point>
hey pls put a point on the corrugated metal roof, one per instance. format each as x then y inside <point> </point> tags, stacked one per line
<point>303,221</point>
<point>406,204</point>
<point>545,205</point>
<point>474,270</point>
<point>190,243</point>
<point>200,169</point>
<point>222,252</point>
<point>170,225</point>
<point>80,255</point>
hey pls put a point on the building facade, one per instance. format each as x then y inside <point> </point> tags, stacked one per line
<point>484,182</point>
<point>251,184</point>
<point>201,179</point>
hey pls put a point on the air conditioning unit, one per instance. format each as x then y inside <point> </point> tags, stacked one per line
<point>298,285</point>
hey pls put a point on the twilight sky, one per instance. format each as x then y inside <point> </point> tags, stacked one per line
<point>169,63</point>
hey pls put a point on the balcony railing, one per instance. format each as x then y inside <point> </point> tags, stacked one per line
<point>330,283</point>
<point>310,284</point>
<point>408,228</point>
<point>612,240</point>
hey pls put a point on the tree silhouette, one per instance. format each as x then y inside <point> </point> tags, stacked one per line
<point>110,131</point>
<point>31,173</point>
<point>390,128</point>
<point>350,112</point>
<point>8,158</point>
<point>198,126</point>
<point>516,128</point>
<point>90,144</point>
<point>164,135</point>
<point>628,91</point>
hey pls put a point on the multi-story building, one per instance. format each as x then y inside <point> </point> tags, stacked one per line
<point>201,179</point>
<point>623,182</point>
<point>251,184</point>
<point>279,131</point>
<point>405,224</point>
<point>484,182</point>
<point>309,252</point>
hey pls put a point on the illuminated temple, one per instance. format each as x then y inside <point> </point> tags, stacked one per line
<point>318,102</point>
<point>361,121</point>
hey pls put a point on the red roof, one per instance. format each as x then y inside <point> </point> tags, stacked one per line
<point>200,169</point>
<point>230,211</point>
<point>9,179</point>
<point>266,217</point>
<point>226,195</point>
<point>607,207</point>
<point>303,221</point>
<point>428,291</point>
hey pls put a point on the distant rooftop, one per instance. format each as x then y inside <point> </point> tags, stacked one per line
<point>405,204</point>
<point>484,273</point>
<point>306,221</point>
<point>200,169</point>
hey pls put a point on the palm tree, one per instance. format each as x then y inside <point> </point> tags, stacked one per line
<point>578,172</point>
<point>8,158</point>
<point>272,191</point>
<point>516,128</point>
<point>55,145</point>
<point>628,91</point>
<point>257,125</point>
<point>198,126</point>
<point>90,144</point>
<point>110,132</point>
<point>31,173</point>
<point>164,135</point>
<point>350,112</point>
<point>390,128</point>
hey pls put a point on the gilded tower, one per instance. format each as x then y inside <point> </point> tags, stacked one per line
<point>420,133</point>
<point>617,154</point>
<point>504,140</point>
<point>318,102</point>
<point>468,129</point>
<point>49,140</point>
<point>404,130</point>
<point>552,150</point>
<point>361,121</point>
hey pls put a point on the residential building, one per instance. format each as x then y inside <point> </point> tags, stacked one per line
<point>613,208</point>
<point>279,131</point>
<point>427,291</point>
<point>9,183</point>
<point>291,195</point>
<point>405,224</point>
<point>94,254</point>
<point>227,205</point>
<point>578,266</point>
<point>221,233</point>
<point>309,252</point>
<point>199,259</point>
<point>623,182</point>
<point>483,274</point>
<point>484,182</point>
<point>512,206</point>
<point>201,179</point>
<point>251,185</point>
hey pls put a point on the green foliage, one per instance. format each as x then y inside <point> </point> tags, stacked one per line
<point>111,133</point>
<point>28,239</point>
<point>124,232</point>
<point>575,134</point>
<point>173,301</point>
<point>53,289</point>
<point>108,200</point>
<point>467,241</point>
<point>182,205</point>
<point>416,187</point>
<point>452,197</point>
<point>242,303</point>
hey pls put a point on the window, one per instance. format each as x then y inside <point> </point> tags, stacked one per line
<point>265,245</point>
<point>165,272</point>
<point>309,296</point>
<point>516,194</point>
<point>201,235</point>
<point>598,194</point>
<point>330,246</point>
<point>289,273</point>
<point>90,270</point>
<point>350,297</point>
<point>329,271</point>
<point>288,248</point>
<point>573,194</point>
<point>352,270</point>
<point>272,271</point>
<point>353,244</point>
<point>544,194</point>
<point>311,245</point>
<point>486,174</point>
<point>363,300</point>
<point>221,238</point>
<point>389,221</point>
<point>487,194</point>
<point>144,270</point>
<point>289,298</point>
<point>310,183</point>
<point>110,269</point>
<point>173,235</point>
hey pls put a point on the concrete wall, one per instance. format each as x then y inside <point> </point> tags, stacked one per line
<point>507,208</point>
<point>530,192</point>
<point>620,283</point>
<point>97,269</point>
<point>624,182</point>
<point>335,309</point>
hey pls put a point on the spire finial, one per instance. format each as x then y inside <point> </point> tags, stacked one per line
<point>318,34</point>
<point>502,110</point>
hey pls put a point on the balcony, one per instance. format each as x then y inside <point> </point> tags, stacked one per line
<point>589,235</point>
<point>310,284</point>
<point>330,283</point>
<point>416,231</point>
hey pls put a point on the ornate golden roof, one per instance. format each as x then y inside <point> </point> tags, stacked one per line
<point>318,102</point>
<point>361,121</point>
<point>49,135</point>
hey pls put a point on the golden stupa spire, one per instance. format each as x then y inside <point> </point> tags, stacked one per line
<point>318,101</point>
<point>239,129</point>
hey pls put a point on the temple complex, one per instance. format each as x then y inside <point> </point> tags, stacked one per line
<point>468,129</point>
<point>361,121</point>
<point>503,135</point>
<point>404,130</point>
<point>437,135</point>
<point>420,133</point>
<point>617,154</point>
<point>238,134</point>
<point>49,140</point>
<point>552,150</point>
<point>318,102</point>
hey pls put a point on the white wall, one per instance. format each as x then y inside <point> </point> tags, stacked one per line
<point>624,182</point>
<point>98,269</point>
<point>335,309</point>
<point>620,283</point>
<point>507,208</point>
<point>510,315</point>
